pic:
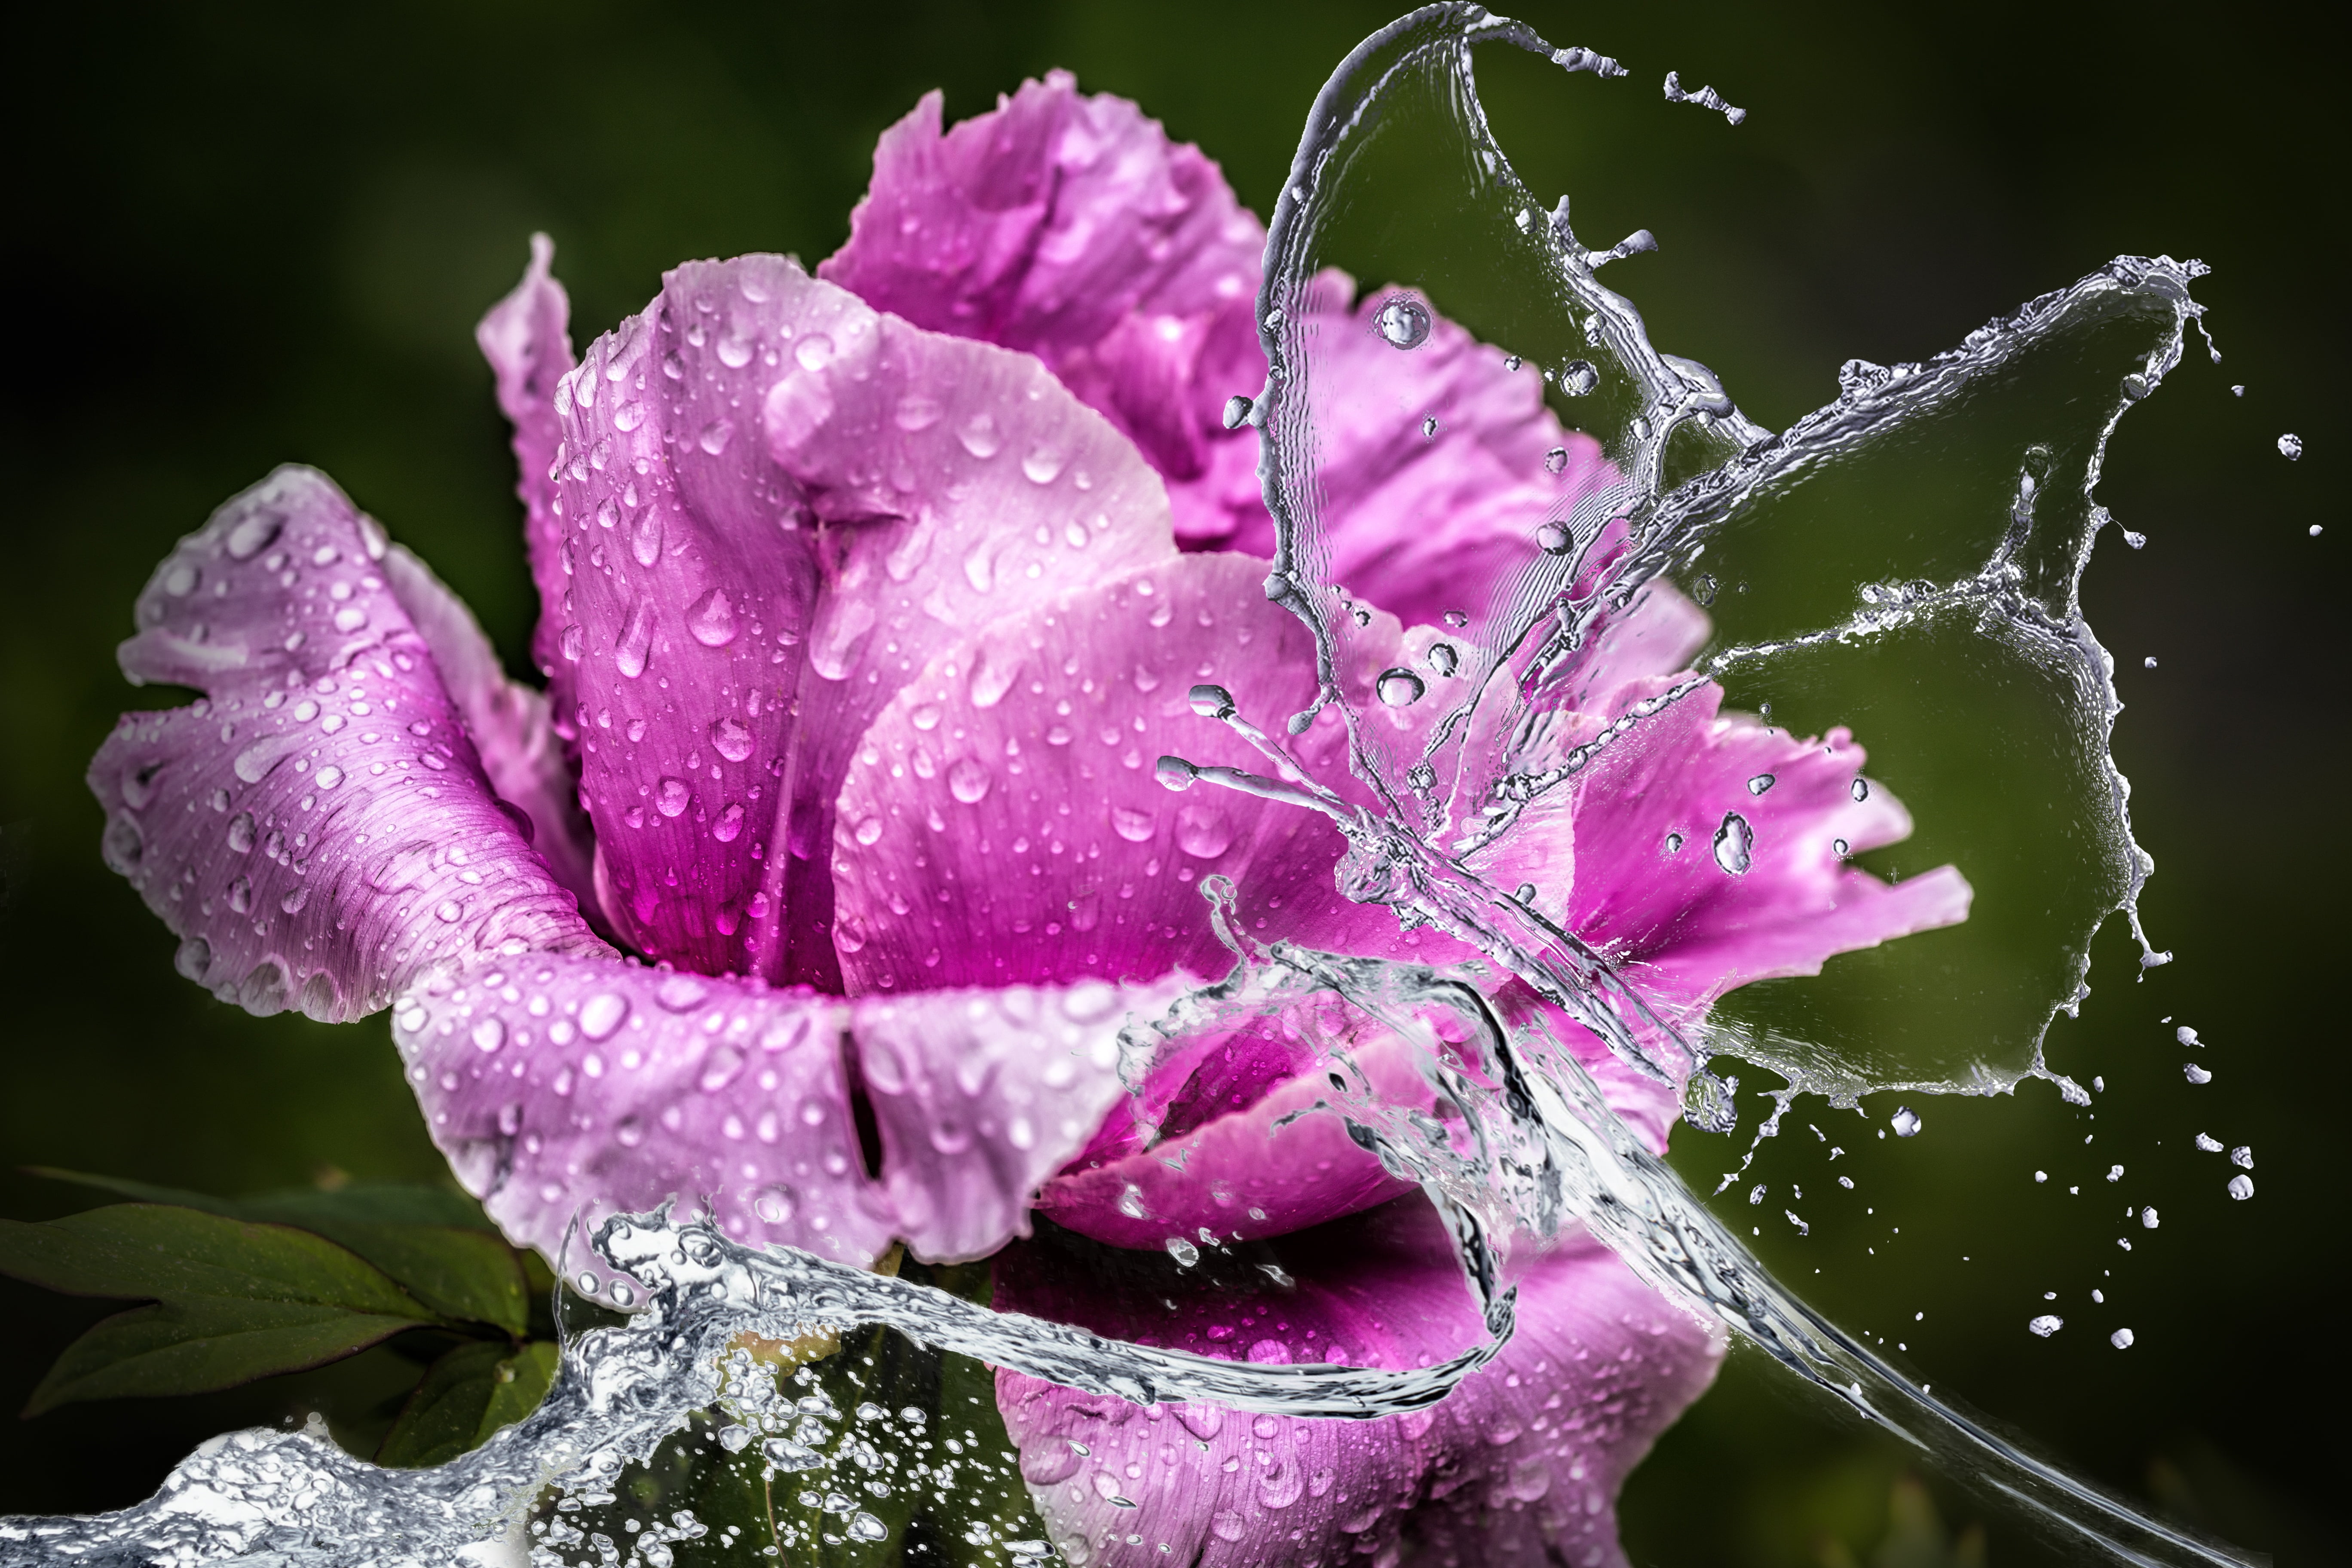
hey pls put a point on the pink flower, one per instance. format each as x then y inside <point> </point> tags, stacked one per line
<point>869,600</point>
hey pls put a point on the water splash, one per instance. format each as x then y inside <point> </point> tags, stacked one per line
<point>1992,448</point>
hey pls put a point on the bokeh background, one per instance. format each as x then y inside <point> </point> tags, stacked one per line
<point>246,235</point>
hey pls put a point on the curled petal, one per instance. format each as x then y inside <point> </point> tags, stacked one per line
<point>777,504</point>
<point>530,350</point>
<point>1003,820</point>
<point>1752,886</point>
<point>563,1085</point>
<point>1521,1462</point>
<point>1072,227</point>
<point>508,724</point>
<point>317,829</point>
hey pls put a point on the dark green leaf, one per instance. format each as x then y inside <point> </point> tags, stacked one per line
<point>312,1208</point>
<point>234,1300</point>
<point>435,1243</point>
<point>463,1275</point>
<point>467,1395</point>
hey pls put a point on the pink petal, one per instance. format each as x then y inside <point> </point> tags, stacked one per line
<point>317,829</point>
<point>320,831</point>
<point>508,724</point>
<point>1758,889</point>
<point>778,505</point>
<point>1522,1462</point>
<point>1072,227</point>
<point>569,1084</point>
<point>524,338</point>
<point>1002,823</point>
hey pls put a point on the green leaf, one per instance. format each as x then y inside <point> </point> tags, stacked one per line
<point>467,1395</point>
<point>235,1301</point>
<point>359,1203</point>
<point>435,1243</point>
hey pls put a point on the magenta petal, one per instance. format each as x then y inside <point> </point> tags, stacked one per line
<point>1521,1463</point>
<point>561,1085</point>
<point>317,827</point>
<point>524,338</point>
<point>1758,888</point>
<point>1244,1174</point>
<point>778,504</point>
<point>1070,226</point>
<point>508,724</point>
<point>1001,822</point>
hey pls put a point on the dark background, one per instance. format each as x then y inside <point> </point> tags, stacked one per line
<point>242,236</point>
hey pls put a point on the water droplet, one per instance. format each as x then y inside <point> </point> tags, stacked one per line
<point>1227,1525</point>
<point>869,831</point>
<point>1553,538</point>
<point>980,436</point>
<point>681,993</point>
<point>602,1014</point>
<point>490,1035</point>
<point>2241,1187</point>
<point>864,1526</point>
<point>715,436</point>
<point>2047,1324</point>
<point>712,619</point>
<point>1734,844</point>
<point>1174,772</point>
<point>2121,1339</point>
<point>729,823</point>
<point>192,958</point>
<point>1400,688</point>
<point>1212,702</point>
<point>731,739</point>
<point>1042,465</point>
<point>967,780</point>
<point>1237,411</point>
<point>252,534</point>
<point>814,352</point>
<point>1861,790</point>
<point>2242,1156</point>
<point>671,796</point>
<point>2290,447</point>
<point>1673,843</point>
<point>1442,658</point>
<point>1429,428</point>
<point>1839,848</point>
<point>1404,322</point>
<point>240,832</point>
<point>1184,1252</point>
<point>1203,831</point>
<point>645,537</point>
<point>1906,1121</point>
<point>328,776</point>
<point>636,646</point>
<point>240,895</point>
<point>2147,1219</point>
<point>1761,783</point>
<point>1578,378</point>
<point>1134,826</point>
<point>2195,1074</point>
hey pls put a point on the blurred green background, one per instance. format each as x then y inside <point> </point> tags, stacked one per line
<point>249,234</point>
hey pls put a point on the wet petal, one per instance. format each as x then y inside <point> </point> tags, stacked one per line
<point>317,827</point>
<point>1757,887</point>
<point>778,504</point>
<point>1072,227</point>
<point>508,724</point>
<point>1522,1462</point>
<point>530,350</point>
<point>1003,821</point>
<point>563,1085</point>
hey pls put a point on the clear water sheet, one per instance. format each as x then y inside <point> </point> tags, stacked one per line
<point>1903,561</point>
